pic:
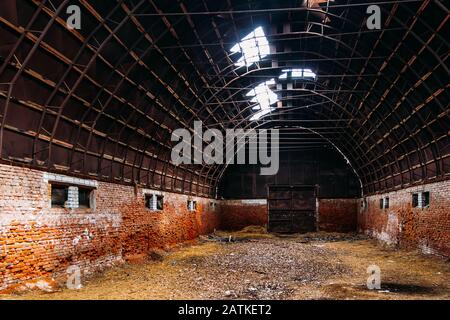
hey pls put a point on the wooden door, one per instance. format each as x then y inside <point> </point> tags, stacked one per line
<point>292,208</point>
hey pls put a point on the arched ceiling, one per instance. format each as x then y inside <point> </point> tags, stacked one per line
<point>104,100</point>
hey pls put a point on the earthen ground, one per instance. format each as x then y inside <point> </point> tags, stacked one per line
<point>256,265</point>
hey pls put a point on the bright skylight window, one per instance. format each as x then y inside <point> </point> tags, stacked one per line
<point>298,73</point>
<point>264,97</point>
<point>253,47</point>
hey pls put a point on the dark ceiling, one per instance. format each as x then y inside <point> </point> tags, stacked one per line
<point>103,100</point>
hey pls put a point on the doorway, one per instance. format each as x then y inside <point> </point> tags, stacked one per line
<point>292,208</point>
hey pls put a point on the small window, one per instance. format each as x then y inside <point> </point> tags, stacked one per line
<point>425,199</point>
<point>159,202</point>
<point>191,205</point>
<point>148,201</point>
<point>59,195</point>
<point>384,203</point>
<point>415,200</point>
<point>154,202</point>
<point>421,199</point>
<point>84,197</point>
<point>364,204</point>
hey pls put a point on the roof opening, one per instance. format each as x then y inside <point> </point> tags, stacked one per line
<point>253,47</point>
<point>264,97</point>
<point>297,73</point>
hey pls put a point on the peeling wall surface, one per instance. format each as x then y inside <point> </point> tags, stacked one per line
<point>427,229</point>
<point>237,214</point>
<point>40,242</point>
<point>338,215</point>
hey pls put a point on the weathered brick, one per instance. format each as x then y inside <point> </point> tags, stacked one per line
<point>37,241</point>
<point>337,215</point>
<point>425,228</point>
<point>237,214</point>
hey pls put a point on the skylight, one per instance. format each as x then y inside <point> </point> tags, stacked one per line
<point>264,97</point>
<point>253,47</point>
<point>261,113</point>
<point>298,73</point>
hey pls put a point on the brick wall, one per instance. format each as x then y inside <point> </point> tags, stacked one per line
<point>237,214</point>
<point>335,215</point>
<point>425,228</point>
<point>338,215</point>
<point>40,242</point>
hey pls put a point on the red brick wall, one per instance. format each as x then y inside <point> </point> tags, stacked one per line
<point>237,214</point>
<point>40,242</point>
<point>427,229</point>
<point>338,215</point>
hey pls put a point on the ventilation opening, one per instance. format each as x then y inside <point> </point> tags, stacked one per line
<point>85,198</point>
<point>154,202</point>
<point>192,205</point>
<point>384,203</point>
<point>59,195</point>
<point>421,199</point>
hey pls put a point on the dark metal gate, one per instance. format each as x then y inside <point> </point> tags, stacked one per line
<point>292,208</point>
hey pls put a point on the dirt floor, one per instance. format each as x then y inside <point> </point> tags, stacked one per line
<point>252,264</point>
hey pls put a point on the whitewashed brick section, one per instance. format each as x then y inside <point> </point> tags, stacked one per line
<point>254,201</point>
<point>151,191</point>
<point>69,180</point>
<point>153,202</point>
<point>72,198</point>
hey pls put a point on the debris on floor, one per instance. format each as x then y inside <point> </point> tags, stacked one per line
<point>310,266</point>
<point>217,238</point>
<point>331,237</point>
